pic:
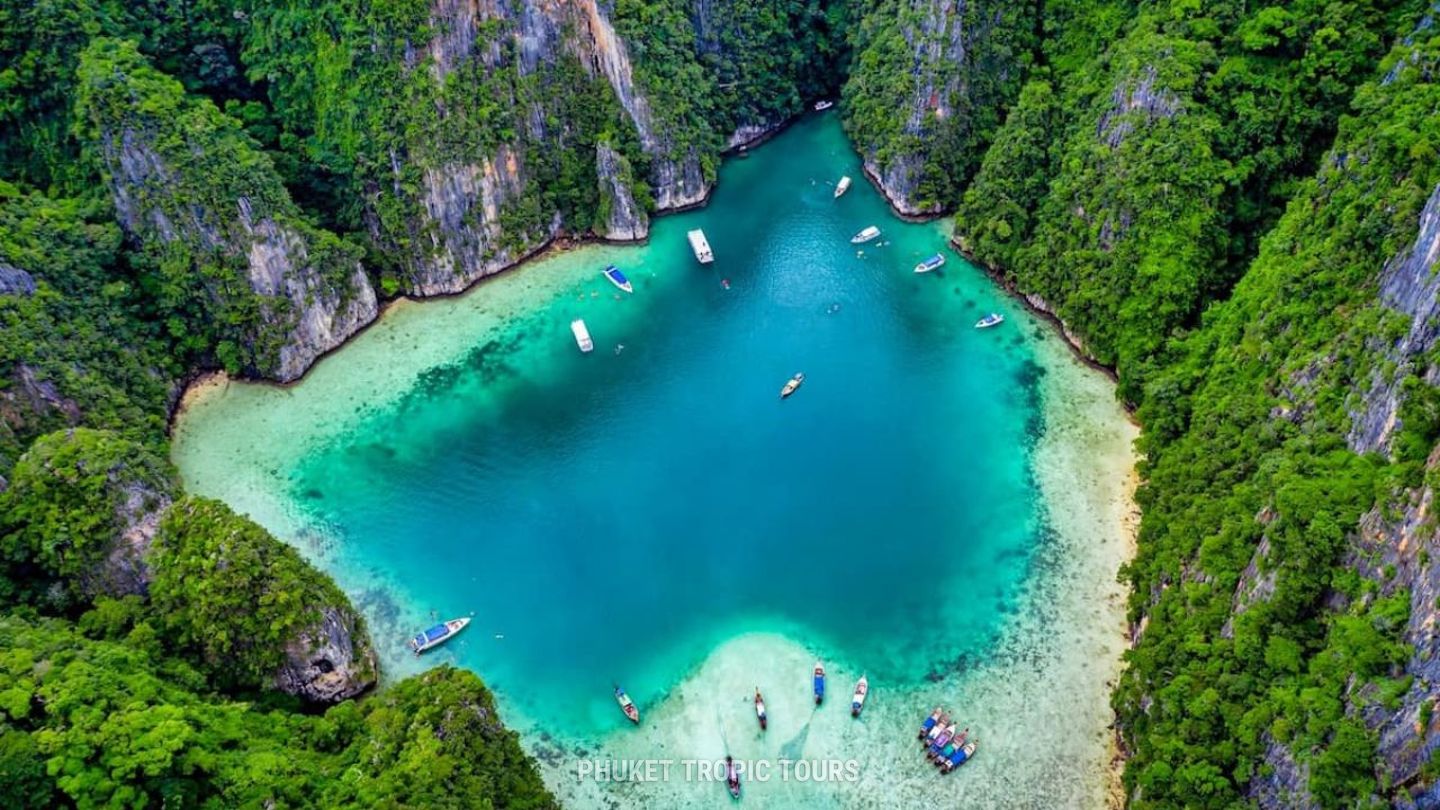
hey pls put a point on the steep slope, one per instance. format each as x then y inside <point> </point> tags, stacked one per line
<point>929,86</point>
<point>237,265</point>
<point>1283,572</point>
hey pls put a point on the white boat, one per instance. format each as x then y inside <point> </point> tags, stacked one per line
<point>701,246</point>
<point>582,335</point>
<point>822,106</point>
<point>865,235</point>
<point>614,276</point>
<point>792,386</point>
<point>862,688</point>
<point>933,263</point>
<point>437,635</point>
<point>993,319</point>
<point>842,186</point>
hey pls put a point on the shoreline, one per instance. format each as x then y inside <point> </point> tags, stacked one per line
<point>198,381</point>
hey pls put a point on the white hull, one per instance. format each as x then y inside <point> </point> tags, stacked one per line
<point>582,335</point>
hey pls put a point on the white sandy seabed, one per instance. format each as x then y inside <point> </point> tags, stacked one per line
<point>1039,704</point>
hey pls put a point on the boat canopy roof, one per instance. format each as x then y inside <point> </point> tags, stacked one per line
<point>614,272</point>
<point>435,633</point>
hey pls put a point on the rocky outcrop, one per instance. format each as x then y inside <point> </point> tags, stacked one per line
<point>1135,100</point>
<point>624,219</point>
<point>140,503</point>
<point>1285,784</point>
<point>325,664</point>
<point>14,281</point>
<point>1410,287</point>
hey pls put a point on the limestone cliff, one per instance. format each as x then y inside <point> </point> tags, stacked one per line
<point>931,83</point>
<point>212,215</point>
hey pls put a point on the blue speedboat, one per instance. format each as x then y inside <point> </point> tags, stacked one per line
<point>618,278</point>
<point>437,635</point>
<point>819,682</point>
<point>961,756</point>
<point>993,319</point>
<point>933,263</point>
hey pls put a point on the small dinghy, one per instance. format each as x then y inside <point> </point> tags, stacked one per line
<point>857,703</point>
<point>613,274</point>
<point>993,319</point>
<point>627,705</point>
<point>437,635</point>
<point>929,723</point>
<point>865,235</point>
<point>792,386</point>
<point>822,106</point>
<point>732,777</point>
<point>843,186</point>
<point>819,683</point>
<point>962,755</point>
<point>760,708</point>
<point>933,263</point>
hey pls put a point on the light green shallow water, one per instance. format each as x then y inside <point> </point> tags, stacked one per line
<point>938,507</point>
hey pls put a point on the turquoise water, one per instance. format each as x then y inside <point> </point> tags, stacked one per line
<point>652,513</point>
<point>613,514</point>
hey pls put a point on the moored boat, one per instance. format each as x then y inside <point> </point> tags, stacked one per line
<point>962,755</point>
<point>935,730</point>
<point>933,263</point>
<point>819,682</point>
<point>582,335</point>
<point>437,635</point>
<point>613,274</point>
<point>823,105</point>
<point>929,723</point>
<point>956,742</point>
<point>792,386</point>
<point>857,703</point>
<point>732,777</point>
<point>627,705</point>
<point>940,742</point>
<point>842,186</point>
<point>760,708</point>
<point>700,246</point>
<point>865,235</point>
<point>993,319</point>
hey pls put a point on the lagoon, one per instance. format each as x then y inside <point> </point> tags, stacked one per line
<point>939,507</point>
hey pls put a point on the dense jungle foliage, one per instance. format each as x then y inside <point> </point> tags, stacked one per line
<point>1205,193</point>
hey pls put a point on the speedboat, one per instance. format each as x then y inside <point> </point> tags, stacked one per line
<point>613,274</point>
<point>819,682</point>
<point>732,777</point>
<point>822,106</point>
<point>437,635</point>
<point>956,742</point>
<point>933,263</point>
<point>929,723</point>
<point>842,186</point>
<point>865,235</point>
<point>627,705</point>
<point>582,335</point>
<point>962,755</point>
<point>760,708</point>
<point>792,386</point>
<point>993,319</point>
<point>858,702</point>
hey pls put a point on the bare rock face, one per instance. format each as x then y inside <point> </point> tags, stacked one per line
<point>1132,101</point>
<point>625,220</point>
<point>1286,785</point>
<point>126,571</point>
<point>14,281</point>
<point>324,664</point>
<point>1409,286</point>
